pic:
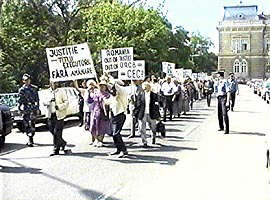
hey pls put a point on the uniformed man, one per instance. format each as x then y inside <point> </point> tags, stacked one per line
<point>29,106</point>
<point>233,88</point>
<point>223,96</point>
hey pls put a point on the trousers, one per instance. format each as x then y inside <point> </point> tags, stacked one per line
<point>142,127</point>
<point>223,113</point>
<point>56,128</point>
<point>117,125</point>
<point>168,105</point>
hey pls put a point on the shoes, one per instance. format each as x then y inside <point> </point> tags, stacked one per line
<point>154,139</point>
<point>29,144</point>
<point>231,109</point>
<point>115,153</point>
<point>221,129</point>
<point>123,154</point>
<point>99,144</point>
<point>54,153</point>
<point>226,132</point>
<point>145,145</point>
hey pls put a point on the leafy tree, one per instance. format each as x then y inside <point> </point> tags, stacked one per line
<point>203,60</point>
<point>112,25</point>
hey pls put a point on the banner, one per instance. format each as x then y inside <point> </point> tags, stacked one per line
<point>70,63</point>
<point>136,72</point>
<point>168,68</point>
<point>115,59</point>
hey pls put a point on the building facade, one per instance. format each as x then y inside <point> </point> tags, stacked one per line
<point>244,42</point>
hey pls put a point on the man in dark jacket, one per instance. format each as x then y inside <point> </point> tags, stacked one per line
<point>147,110</point>
<point>29,106</point>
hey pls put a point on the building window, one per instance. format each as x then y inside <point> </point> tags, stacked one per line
<point>240,66</point>
<point>239,45</point>
<point>236,66</point>
<point>244,66</point>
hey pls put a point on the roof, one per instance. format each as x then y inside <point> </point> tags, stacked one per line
<point>240,12</point>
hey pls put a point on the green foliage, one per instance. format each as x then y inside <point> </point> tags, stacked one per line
<point>28,27</point>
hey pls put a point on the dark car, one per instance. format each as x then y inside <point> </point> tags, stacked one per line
<point>6,122</point>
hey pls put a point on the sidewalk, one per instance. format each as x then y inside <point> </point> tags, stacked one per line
<point>229,167</point>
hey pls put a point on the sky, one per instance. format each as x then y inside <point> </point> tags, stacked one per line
<point>203,15</point>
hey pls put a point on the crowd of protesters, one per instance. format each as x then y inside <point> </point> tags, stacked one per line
<point>151,102</point>
<point>104,105</point>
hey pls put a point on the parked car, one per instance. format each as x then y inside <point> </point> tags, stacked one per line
<point>256,87</point>
<point>73,106</point>
<point>265,89</point>
<point>6,122</point>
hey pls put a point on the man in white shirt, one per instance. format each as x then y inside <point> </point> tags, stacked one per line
<point>168,89</point>
<point>223,96</point>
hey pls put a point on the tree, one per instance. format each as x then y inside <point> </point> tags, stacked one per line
<point>203,60</point>
<point>113,25</point>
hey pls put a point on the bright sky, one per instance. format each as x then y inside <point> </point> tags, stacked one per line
<point>203,15</point>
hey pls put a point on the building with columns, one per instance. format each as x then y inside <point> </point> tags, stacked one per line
<point>244,42</point>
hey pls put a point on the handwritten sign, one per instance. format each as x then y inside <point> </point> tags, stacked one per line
<point>116,59</point>
<point>70,62</point>
<point>168,68</point>
<point>135,72</point>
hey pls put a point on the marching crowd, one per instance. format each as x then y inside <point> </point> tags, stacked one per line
<point>103,107</point>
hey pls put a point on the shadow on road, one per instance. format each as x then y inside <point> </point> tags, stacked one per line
<point>11,147</point>
<point>18,170</point>
<point>248,133</point>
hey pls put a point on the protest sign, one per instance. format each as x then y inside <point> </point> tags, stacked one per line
<point>70,62</point>
<point>136,72</point>
<point>168,68</point>
<point>187,73</point>
<point>179,74</point>
<point>115,59</point>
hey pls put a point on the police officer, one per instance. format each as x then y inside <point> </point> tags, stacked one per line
<point>223,96</point>
<point>233,88</point>
<point>29,106</point>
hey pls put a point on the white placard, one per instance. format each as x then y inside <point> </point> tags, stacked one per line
<point>179,74</point>
<point>136,72</point>
<point>115,59</point>
<point>168,68</point>
<point>70,63</point>
<point>187,73</point>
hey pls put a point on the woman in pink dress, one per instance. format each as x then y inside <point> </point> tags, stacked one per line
<point>99,122</point>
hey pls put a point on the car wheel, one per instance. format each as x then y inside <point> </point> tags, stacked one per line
<point>2,141</point>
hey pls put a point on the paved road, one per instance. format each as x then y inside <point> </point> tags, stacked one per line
<point>193,162</point>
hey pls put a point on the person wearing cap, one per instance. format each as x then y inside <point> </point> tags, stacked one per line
<point>57,104</point>
<point>29,105</point>
<point>99,114</point>
<point>91,86</point>
<point>223,96</point>
<point>233,88</point>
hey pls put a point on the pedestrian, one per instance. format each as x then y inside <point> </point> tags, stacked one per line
<point>57,105</point>
<point>186,98</point>
<point>177,100</point>
<point>223,97</point>
<point>168,90</point>
<point>233,88</point>
<point>99,114</point>
<point>147,110</point>
<point>81,91</point>
<point>29,105</point>
<point>208,90</point>
<point>91,86</point>
<point>118,102</point>
<point>136,90</point>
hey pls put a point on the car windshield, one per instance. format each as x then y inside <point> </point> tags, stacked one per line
<point>9,99</point>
